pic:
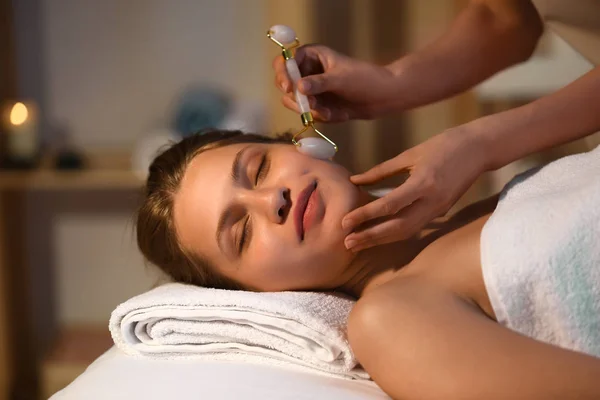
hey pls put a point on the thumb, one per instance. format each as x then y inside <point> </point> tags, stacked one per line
<point>396,165</point>
<point>316,84</point>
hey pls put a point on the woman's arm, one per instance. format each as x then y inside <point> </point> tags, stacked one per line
<point>419,341</point>
<point>486,37</point>
<point>444,167</point>
<point>568,114</point>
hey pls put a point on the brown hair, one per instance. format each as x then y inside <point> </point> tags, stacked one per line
<point>156,234</point>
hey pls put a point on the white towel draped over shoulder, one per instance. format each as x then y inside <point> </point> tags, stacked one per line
<point>299,329</point>
<point>540,253</point>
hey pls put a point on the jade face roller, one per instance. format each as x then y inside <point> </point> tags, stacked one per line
<point>324,149</point>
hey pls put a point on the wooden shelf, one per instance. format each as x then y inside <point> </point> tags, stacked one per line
<point>105,170</point>
<point>69,180</point>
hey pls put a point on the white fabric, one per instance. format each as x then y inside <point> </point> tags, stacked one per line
<point>540,253</point>
<point>177,321</point>
<point>117,376</point>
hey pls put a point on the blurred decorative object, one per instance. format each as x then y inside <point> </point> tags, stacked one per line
<point>67,157</point>
<point>247,116</point>
<point>148,147</point>
<point>21,135</point>
<point>200,108</point>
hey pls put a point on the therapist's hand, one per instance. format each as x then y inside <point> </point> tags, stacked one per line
<point>441,170</point>
<point>338,87</point>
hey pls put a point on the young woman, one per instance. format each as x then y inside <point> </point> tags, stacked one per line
<point>241,211</point>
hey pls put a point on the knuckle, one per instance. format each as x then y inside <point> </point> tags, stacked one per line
<point>389,208</point>
<point>429,182</point>
<point>400,230</point>
<point>404,232</point>
<point>390,239</point>
<point>313,47</point>
<point>366,237</point>
<point>360,217</point>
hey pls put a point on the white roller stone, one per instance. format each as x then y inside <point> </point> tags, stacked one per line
<point>282,33</point>
<point>316,147</point>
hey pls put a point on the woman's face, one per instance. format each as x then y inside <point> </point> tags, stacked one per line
<point>267,216</point>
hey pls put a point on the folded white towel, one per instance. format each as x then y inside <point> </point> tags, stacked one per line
<point>299,329</point>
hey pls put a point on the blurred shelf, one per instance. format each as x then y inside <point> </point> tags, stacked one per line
<point>106,170</point>
<point>69,180</point>
<point>74,350</point>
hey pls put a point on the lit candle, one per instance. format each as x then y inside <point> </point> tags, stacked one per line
<point>22,133</point>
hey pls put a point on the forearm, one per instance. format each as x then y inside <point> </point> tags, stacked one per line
<point>566,115</point>
<point>486,37</point>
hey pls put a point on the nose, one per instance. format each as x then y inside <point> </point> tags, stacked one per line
<point>273,203</point>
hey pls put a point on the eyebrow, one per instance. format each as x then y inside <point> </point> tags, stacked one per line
<point>236,177</point>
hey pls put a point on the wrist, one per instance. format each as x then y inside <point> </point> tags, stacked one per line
<point>480,144</point>
<point>400,94</point>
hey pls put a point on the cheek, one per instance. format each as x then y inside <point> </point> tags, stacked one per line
<point>271,256</point>
<point>290,264</point>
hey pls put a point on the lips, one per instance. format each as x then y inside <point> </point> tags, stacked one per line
<point>301,204</point>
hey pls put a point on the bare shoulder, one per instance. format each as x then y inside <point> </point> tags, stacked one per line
<point>419,340</point>
<point>395,329</point>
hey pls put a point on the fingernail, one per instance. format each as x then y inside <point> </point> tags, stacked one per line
<point>347,223</point>
<point>350,243</point>
<point>285,86</point>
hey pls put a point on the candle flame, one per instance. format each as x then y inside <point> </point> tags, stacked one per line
<point>18,114</point>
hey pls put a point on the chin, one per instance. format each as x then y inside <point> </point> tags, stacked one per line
<point>332,234</point>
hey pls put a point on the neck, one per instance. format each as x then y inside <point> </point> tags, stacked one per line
<point>375,266</point>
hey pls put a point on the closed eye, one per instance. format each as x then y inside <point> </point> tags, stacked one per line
<point>263,169</point>
<point>246,231</point>
<point>245,235</point>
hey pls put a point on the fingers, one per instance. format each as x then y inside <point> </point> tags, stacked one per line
<point>282,79</point>
<point>290,103</point>
<point>387,205</point>
<point>322,114</point>
<point>317,84</point>
<point>402,226</point>
<point>393,166</point>
<point>309,59</point>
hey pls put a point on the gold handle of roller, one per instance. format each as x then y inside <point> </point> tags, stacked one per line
<point>307,118</point>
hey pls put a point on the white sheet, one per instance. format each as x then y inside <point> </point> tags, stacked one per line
<point>117,376</point>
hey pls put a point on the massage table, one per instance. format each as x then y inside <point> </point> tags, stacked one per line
<point>116,375</point>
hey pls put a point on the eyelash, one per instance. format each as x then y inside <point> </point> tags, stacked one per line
<point>245,232</point>
<point>263,170</point>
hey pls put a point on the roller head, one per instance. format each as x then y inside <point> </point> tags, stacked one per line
<point>283,34</point>
<point>316,148</point>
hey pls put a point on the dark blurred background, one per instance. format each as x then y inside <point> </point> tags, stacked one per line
<point>95,87</point>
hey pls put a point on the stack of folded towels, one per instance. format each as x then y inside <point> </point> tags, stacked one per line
<point>306,330</point>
